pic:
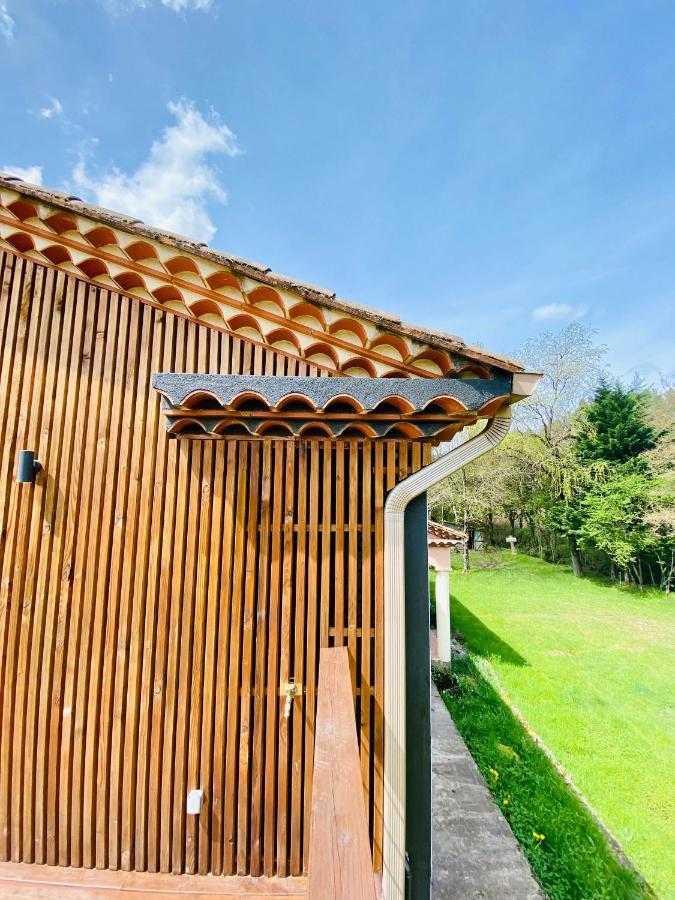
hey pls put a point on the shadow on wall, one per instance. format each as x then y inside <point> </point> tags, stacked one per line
<point>480,639</point>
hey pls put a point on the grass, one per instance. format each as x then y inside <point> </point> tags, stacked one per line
<point>566,849</point>
<point>590,667</point>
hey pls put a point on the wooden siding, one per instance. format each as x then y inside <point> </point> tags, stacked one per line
<point>156,594</point>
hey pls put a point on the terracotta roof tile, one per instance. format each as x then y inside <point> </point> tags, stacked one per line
<point>260,272</point>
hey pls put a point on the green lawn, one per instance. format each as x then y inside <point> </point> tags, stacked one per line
<point>591,668</point>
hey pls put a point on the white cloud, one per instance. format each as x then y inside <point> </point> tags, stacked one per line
<point>178,6</point>
<point>6,21</point>
<point>32,174</point>
<point>171,187</point>
<point>557,311</point>
<point>181,5</point>
<point>55,108</point>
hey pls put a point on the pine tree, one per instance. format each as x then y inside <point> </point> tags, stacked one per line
<point>615,428</point>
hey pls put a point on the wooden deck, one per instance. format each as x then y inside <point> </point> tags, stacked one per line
<point>36,882</point>
<point>340,861</point>
<point>340,864</point>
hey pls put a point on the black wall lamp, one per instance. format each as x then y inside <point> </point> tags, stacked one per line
<point>27,468</point>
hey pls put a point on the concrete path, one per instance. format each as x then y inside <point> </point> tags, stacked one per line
<point>475,855</point>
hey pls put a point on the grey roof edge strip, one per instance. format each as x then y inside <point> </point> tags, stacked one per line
<point>259,271</point>
<point>368,392</point>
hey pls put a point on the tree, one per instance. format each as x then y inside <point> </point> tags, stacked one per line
<point>572,365</point>
<point>661,416</point>
<point>589,461</point>
<point>614,427</point>
<point>613,513</point>
<point>468,499</point>
<point>661,516</point>
<point>613,518</point>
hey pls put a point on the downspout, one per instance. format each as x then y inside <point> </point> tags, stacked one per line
<point>393,879</point>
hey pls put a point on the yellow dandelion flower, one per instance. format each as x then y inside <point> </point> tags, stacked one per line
<point>538,837</point>
<point>494,773</point>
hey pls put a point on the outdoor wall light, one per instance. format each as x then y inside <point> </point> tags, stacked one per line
<point>27,468</point>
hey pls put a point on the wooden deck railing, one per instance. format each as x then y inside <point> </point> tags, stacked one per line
<point>340,863</point>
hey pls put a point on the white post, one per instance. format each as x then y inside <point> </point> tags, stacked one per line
<point>443,614</point>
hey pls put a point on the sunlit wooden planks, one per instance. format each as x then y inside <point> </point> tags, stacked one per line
<point>340,865</point>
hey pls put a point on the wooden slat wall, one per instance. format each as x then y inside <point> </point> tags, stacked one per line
<point>156,593</point>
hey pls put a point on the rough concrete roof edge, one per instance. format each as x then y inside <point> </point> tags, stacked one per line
<point>259,272</point>
<point>472,394</point>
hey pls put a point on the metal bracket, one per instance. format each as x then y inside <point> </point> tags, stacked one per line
<point>290,691</point>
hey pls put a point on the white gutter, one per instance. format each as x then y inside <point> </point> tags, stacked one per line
<point>393,878</point>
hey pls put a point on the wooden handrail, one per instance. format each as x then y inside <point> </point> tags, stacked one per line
<point>340,864</point>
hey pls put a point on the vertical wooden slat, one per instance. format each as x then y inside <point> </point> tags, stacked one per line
<point>271,722</point>
<point>70,794</point>
<point>311,637</point>
<point>141,514</point>
<point>245,682</point>
<point>122,783</point>
<point>61,570</point>
<point>366,619</point>
<point>211,636</point>
<point>234,674</point>
<point>198,510</point>
<point>298,662</point>
<point>69,613</point>
<point>261,632</point>
<point>166,603</point>
<point>172,662</point>
<point>326,542</point>
<point>107,815</point>
<point>163,483</point>
<point>353,558</point>
<point>378,724</point>
<point>94,793</point>
<point>285,661</point>
<point>339,563</point>
<point>222,670</point>
<point>197,633</point>
<point>196,677</point>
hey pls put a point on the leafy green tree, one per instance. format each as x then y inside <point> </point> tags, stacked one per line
<point>614,427</point>
<point>613,518</point>
<point>565,517</point>
<point>611,437</point>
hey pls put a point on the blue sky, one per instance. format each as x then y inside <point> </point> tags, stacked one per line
<point>492,169</point>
